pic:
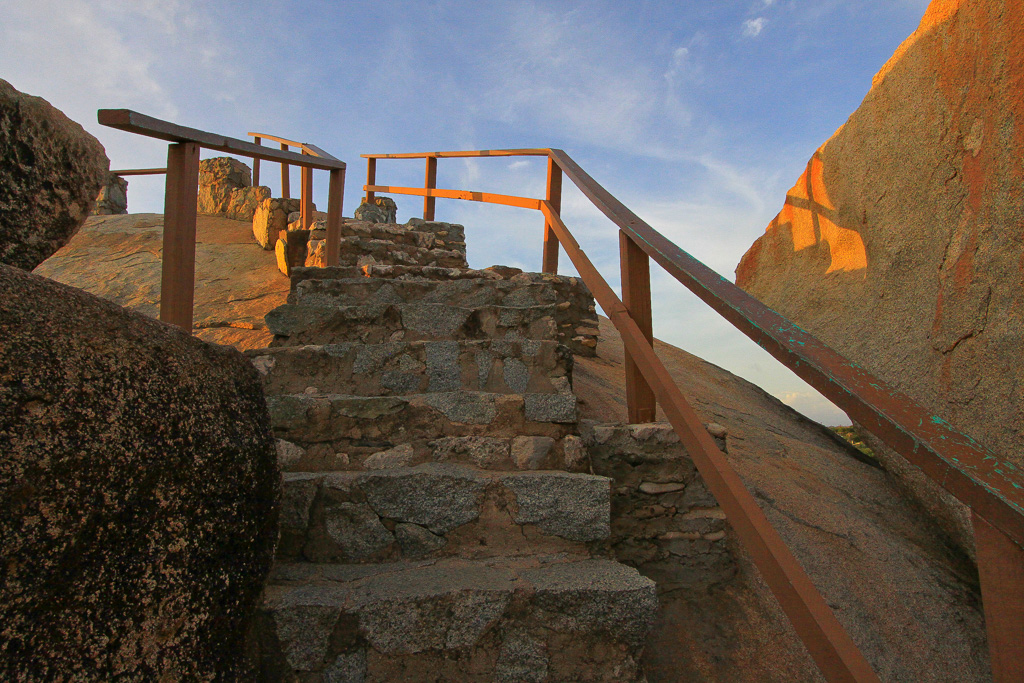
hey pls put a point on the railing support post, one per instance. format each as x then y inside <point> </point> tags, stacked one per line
<point>286,170</point>
<point>335,199</point>
<point>636,296</point>
<point>178,274</point>
<point>371,177</point>
<point>306,197</point>
<point>554,197</point>
<point>1001,570</point>
<point>256,164</point>
<point>430,183</point>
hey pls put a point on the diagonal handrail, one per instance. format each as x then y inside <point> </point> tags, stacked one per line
<point>993,488</point>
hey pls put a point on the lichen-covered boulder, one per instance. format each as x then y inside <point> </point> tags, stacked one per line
<point>225,189</point>
<point>271,218</point>
<point>138,493</point>
<point>50,173</point>
<point>113,197</point>
<point>380,210</point>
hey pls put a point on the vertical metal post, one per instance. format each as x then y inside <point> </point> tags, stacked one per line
<point>178,275</point>
<point>371,177</point>
<point>256,164</point>
<point>1001,570</point>
<point>636,296</point>
<point>335,199</point>
<point>286,170</point>
<point>430,183</point>
<point>554,197</point>
<point>306,197</point>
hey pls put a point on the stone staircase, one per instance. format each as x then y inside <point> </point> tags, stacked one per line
<point>440,521</point>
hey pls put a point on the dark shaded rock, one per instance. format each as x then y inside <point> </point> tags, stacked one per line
<point>380,210</point>
<point>138,493</point>
<point>113,197</point>
<point>50,173</point>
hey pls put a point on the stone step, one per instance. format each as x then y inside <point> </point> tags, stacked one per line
<point>338,430</point>
<point>575,301</point>
<point>485,452</point>
<point>357,251</point>
<point>300,325</point>
<point>439,509</point>
<point>427,234</point>
<point>534,618</point>
<point>398,368</point>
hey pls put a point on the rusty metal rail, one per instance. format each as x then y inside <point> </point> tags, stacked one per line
<point>177,281</point>
<point>993,488</point>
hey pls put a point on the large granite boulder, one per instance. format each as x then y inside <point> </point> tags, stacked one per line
<point>900,246</point>
<point>138,493</point>
<point>50,173</point>
<point>113,197</point>
<point>380,210</point>
<point>225,189</point>
<point>271,218</point>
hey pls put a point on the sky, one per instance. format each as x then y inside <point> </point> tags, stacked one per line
<point>698,115</point>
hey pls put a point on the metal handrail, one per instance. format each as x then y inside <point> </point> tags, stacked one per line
<point>177,282</point>
<point>992,488</point>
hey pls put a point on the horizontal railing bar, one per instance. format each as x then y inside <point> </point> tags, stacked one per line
<point>993,488</point>
<point>507,200</point>
<point>140,171</point>
<point>310,148</point>
<point>134,122</point>
<point>458,154</point>
<point>828,643</point>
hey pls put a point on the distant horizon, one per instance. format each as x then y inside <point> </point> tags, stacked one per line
<point>698,118</point>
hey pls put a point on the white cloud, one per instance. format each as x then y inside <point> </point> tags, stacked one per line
<point>753,27</point>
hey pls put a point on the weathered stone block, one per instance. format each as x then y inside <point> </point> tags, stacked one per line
<point>438,496</point>
<point>573,506</point>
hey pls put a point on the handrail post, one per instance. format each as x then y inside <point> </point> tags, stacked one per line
<point>554,197</point>
<point>371,178</point>
<point>256,164</point>
<point>178,274</point>
<point>335,199</point>
<point>286,170</point>
<point>430,183</point>
<point>306,197</point>
<point>1001,570</point>
<point>636,297</point>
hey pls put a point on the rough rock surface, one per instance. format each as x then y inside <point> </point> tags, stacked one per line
<point>908,599</point>
<point>900,246</point>
<point>225,189</point>
<point>113,197</point>
<point>138,517</point>
<point>380,210</point>
<point>50,173</point>
<point>270,218</point>
<point>118,258</point>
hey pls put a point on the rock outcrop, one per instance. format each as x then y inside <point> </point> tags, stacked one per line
<point>380,210</point>
<point>140,491</point>
<point>50,173</point>
<point>113,197</point>
<point>225,189</point>
<point>270,218</point>
<point>900,245</point>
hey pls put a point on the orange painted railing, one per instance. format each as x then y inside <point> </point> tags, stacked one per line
<point>178,267</point>
<point>992,488</point>
<point>306,180</point>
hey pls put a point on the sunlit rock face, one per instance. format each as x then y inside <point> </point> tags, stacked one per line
<point>901,245</point>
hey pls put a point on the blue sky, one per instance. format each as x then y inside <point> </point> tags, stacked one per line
<point>698,115</point>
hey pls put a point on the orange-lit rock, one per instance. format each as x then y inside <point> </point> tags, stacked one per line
<point>901,246</point>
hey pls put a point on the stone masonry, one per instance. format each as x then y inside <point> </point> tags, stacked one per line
<point>441,519</point>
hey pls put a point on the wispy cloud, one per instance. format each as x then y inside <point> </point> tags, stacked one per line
<point>753,27</point>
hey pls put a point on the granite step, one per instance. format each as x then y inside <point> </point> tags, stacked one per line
<point>355,251</point>
<point>426,235</point>
<point>467,292</point>
<point>535,618</point>
<point>339,430</point>
<point>440,509</point>
<point>300,325</point>
<point>398,368</point>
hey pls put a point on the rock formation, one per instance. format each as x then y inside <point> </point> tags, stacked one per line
<point>113,197</point>
<point>225,189</point>
<point>50,173</point>
<point>900,245</point>
<point>270,218</point>
<point>380,210</point>
<point>140,489</point>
